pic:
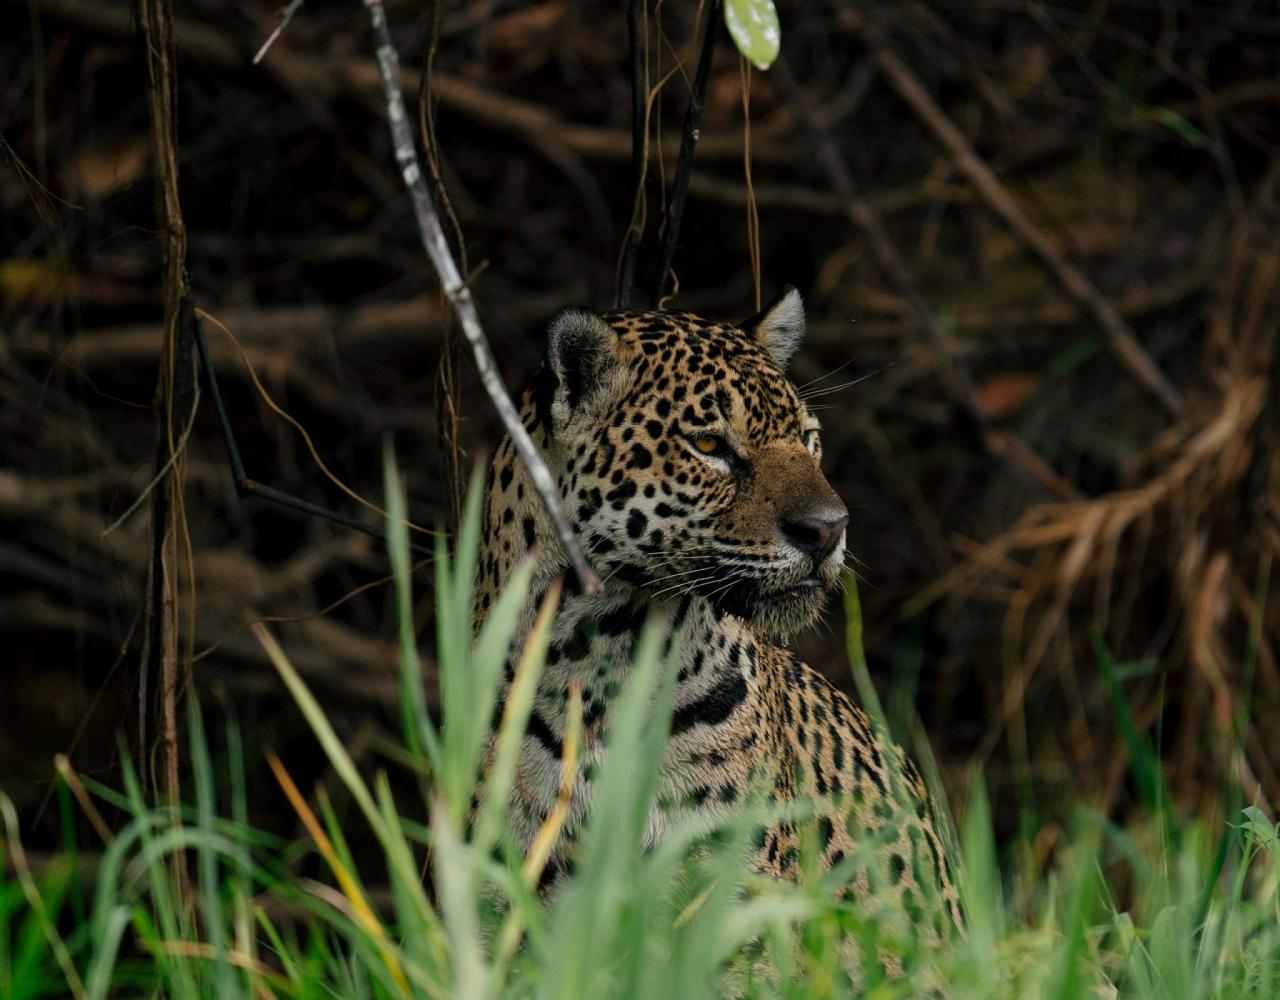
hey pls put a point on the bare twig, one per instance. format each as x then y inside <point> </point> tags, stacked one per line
<point>448,401</point>
<point>753,211</point>
<point>637,32</point>
<point>688,141</point>
<point>286,16</point>
<point>174,386</point>
<point>1122,340</point>
<point>459,296</point>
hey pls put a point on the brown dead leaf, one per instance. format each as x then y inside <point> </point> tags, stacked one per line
<point>1004,395</point>
<point>108,165</point>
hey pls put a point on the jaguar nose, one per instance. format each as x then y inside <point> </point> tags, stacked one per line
<point>817,532</point>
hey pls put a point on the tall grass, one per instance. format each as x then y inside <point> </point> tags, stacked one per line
<point>1168,907</point>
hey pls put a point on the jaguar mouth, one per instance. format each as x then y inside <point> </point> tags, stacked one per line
<point>800,588</point>
<point>752,599</point>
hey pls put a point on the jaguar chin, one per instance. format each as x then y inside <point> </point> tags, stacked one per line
<point>778,607</point>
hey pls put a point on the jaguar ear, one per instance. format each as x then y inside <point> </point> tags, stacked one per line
<point>779,326</point>
<point>581,353</point>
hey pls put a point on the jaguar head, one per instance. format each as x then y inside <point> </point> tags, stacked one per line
<point>690,465</point>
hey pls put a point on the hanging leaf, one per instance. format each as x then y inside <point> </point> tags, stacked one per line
<point>754,26</point>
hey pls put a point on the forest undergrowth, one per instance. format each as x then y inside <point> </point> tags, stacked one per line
<point>195,901</point>
<point>1040,250</point>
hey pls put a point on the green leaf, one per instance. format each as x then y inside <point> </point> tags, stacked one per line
<point>753,25</point>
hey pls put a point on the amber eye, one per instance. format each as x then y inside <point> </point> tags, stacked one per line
<point>711,444</point>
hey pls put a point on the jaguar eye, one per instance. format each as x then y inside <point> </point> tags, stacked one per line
<point>711,444</point>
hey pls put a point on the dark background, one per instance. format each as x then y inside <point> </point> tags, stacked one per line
<point>1013,484</point>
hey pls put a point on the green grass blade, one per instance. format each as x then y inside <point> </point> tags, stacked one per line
<point>414,718</point>
<point>98,978</point>
<point>224,977</point>
<point>857,656</point>
<point>40,910</point>
<point>515,719</point>
<point>1143,762</point>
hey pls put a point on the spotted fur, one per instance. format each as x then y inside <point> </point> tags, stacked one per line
<point>740,539</point>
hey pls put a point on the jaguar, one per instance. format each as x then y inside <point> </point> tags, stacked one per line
<point>689,465</point>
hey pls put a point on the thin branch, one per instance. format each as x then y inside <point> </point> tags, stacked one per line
<point>459,296</point>
<point>286,16</point>
<point>753,210</point>
<point>688,141</point>
<point>155,19</point>
<point>448,397</point>
<point>1121,338</point>
<point>636,29</point>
